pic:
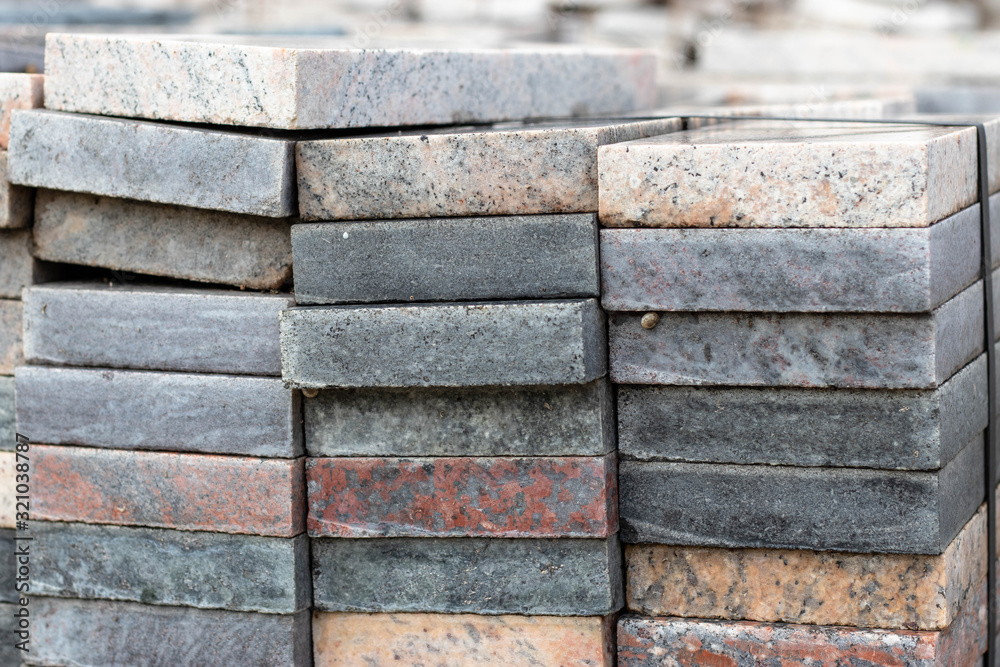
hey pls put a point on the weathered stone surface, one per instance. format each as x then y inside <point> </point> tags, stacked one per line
<point>861,428</point>
<point>739,175</point>
<point>561,577</point>
<point>447,640</point>
<point>154,328</point>
<point>7,490</point>
<point>702,504</point>
<point>9,654</point>
<point>97,633</point>
<point>791,270</point>
<point>211,414</point>
<point>17,91</point>
<point>15,201</point>
<point>876,351</point>
<point>649,642</point>
<point>170,567</point>
<point>18,269</point>
<point>446,345</point>
<point>814,587</point>
<point>227,494</point>
<point>11,345</point>
<point>461,259</point>
<point>7,414</point>
<point>7,572</point>
<point>163,240</point>
<point>512,169</point>
<point>462,497</point>
<point>302,84</point>
<point>570,420</point>
<point>168,164</point>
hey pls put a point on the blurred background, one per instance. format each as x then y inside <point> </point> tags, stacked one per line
<point>711,51</point>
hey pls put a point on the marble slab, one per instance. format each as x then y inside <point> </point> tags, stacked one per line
<point>11,346</point>
<point>296,83</point>
<point>513,169</point>
<point>16,202</point>
<point>446,259</point>
<point>155,162</point>
<point>17,91</point>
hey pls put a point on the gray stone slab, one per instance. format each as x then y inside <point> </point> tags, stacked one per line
<point>508,169</point>
<point>8,592</point>
<point>9,654</point>
<point>571,420</point>
<point>7,414</point>
<point>446,345</point>
<point>906,270</point>
<point>171,567</point>
<point>97,633</point>
<point>11,347</point>
<point>855,428</point>
<point>163,240</point>
<point>875,351</point>
<point>560,577</point>
<point>211,414</point>
<point>15,200</point>
<point>460,259</point>
<point>168,164</point>
<point>836,509</point>
<point>18,269</point>
<point>153,328</point>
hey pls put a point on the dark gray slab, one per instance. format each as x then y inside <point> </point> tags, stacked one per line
<point>561,577</point>
<point>446,259</point>
<point>862,428</point>
<point>171,567</point>
<point>9,654</point>
<point>213,414</point>
<point>876,351</point>
<point>571,420</point>
<point>7,418</point>
<point>834,509</point>
<point>444,345</point>
<point>154,328</point>
<point>158,162</point>
<point>8,593</point>
<point>97,633</point>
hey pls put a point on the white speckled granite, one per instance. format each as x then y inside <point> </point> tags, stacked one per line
<point>17,91</point>
<point>508,169</point>
<point>825,176</point>
<point>322,84</point>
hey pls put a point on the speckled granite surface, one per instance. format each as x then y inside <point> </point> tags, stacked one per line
<point>17,91</point>
<point>11,346</point>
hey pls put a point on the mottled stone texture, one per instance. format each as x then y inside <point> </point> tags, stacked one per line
<point>17,91</point>
<point>512,169</point>
<point>790,270</point>
<point>18,269</point>
<point>155,328</point>
<point>186,491</point>
<point>122,634</point>
<point>862,428</point>
<point>462,259</point>
<point>15,201</point>
<point>7,414</point>
<point>11,346</point>
<point>446,640</point>
<point>9,654</point>
<point>170,567</point>
<point>8,593</point>
<point>462,497</point>
<point>448,345</point>
<point>561,577</point>
<point>800,349</point>
<point>163,240</point>
<point>655,642</point>
<point>702,504</point>
<point>570,420</point>
<point>891,591</point>
<point>211,414</point>
<point>7,500</point>
<point>168,164</point>
<point>321,83</point>
<point>816,176</point>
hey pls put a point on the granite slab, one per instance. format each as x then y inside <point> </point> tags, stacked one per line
<point>11,339</point>
<point>7,414</point>
<point>227,494</point>
<point>9,653</point>
<point>548,577</point>
<point>8,503</point>
<point>511,169</point>
<point>903,429</point>
<point>196,167</point>
<point>296,83</point>
<point>17,91</point>
<point>98,633</point>
<point>153,328</point>
<point>163,240</point>
<point>460,259</point>
<point>16,202</point>
<point>569,420</point>
<point>784,507</point>
<point>147,410</point>
<point>874,351</point>
<point>8,592</point>
<point>18,268</point>
<point>444,345</point>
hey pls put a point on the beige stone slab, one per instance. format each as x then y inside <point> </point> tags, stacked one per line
<point>17,91</point>
<point>11,347</point>
<point>461,640</point>
<point>15,200</point>
<point>7,501</point>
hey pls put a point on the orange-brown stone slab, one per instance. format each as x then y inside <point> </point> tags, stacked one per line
<point>226,494</point>
<point>815,587</point>
<point>462,640</point>
<point>463,497</point>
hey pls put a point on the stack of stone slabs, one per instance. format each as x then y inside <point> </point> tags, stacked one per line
<point>797,331</point>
